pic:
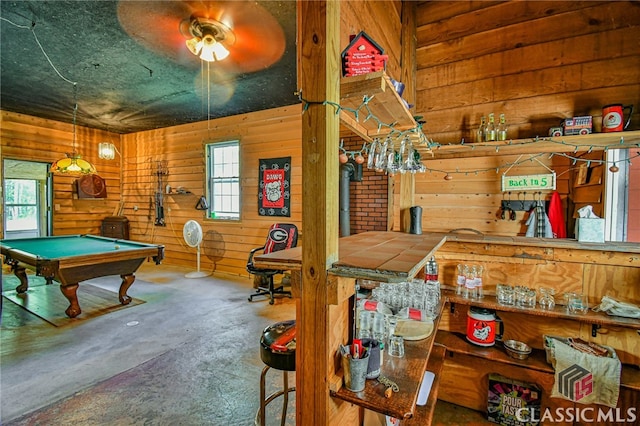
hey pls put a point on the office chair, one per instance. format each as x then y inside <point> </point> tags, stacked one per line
<point>281,236</point>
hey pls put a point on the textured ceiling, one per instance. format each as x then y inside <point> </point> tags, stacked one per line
<point>128,77</point>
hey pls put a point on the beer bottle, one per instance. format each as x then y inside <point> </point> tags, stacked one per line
<point>481,129</point>
<point>501,133</point>
<point>490,131</point>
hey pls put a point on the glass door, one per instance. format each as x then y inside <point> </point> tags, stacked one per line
<point>25,199</point>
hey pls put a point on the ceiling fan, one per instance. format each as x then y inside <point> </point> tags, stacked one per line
<point>239,36</point>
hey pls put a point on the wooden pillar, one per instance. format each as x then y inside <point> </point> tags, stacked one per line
<point>408,44</point>
<point>319,78</point>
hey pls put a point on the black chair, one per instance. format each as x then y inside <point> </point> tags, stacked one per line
<point>281,236</point>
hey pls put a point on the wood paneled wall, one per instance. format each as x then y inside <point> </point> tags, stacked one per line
<point>537,62</point>
<point>34,139</point>
<point>266,134</point>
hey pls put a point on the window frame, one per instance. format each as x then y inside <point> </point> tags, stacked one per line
<point>210,148</point>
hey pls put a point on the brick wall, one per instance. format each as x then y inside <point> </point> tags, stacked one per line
<point>369,198</point>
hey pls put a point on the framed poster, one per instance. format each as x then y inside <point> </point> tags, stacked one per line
<point>274,188</point>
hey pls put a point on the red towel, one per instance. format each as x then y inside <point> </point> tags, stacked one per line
<point>556,217</point>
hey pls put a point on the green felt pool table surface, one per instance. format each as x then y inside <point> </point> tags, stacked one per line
<point>71,245</point>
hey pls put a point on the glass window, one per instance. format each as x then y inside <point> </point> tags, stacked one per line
<point>223,180</point>
<point>21,204</point>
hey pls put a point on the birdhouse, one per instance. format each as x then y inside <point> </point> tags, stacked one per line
<point>362,56</point>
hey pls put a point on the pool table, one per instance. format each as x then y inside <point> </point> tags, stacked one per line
<point>70,259</point>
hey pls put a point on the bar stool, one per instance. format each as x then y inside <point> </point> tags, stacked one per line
<point>277,351</point>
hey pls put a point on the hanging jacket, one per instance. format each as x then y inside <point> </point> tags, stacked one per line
<point>556,216</point>
<point>538,224</point>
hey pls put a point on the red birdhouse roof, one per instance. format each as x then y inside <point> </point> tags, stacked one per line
<point>362,43</point>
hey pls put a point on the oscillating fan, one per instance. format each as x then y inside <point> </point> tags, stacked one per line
<point>192,233</point>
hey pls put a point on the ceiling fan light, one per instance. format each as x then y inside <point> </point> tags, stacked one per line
<point>212,50</point>
<point>207,37</point>
<point>219,51</point>
<point>194,45</point>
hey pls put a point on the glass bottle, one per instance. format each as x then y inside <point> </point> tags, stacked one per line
<point>470,284</point>
<point>479,269</point>
<point>490,130</point>
<point>462,278</point>
<point>501,132</point>
<point>481,129</point>
<point>431,270</point>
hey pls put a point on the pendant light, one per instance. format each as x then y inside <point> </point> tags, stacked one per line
<point>73,163</point>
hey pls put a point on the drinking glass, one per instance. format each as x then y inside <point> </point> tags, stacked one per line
<point>376,294</point>
<point>379,327</point>
<point>381,156</point>
<point>402,154</point>
<point>521,295</point>
<point>365,323</point>
<point>372,153</point>
<point>418,300</point>
<point>546,300</point>
<point>567,297</point>
<point>407,299</point>
<point>432,290</point>
<point>505,294</point>
<point>392,322</point>
<point>578,304</point>
<point>396,346</point>
<point>530,299</point>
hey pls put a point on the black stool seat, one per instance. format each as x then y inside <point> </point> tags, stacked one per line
<point>277,346</point>
<point>277,351</point>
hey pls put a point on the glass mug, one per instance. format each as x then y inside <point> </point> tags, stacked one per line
<point>505,294</point>
<point>546,300</point>
<point>566,297</point>
<point>521,296</point>
<point>578,304</point>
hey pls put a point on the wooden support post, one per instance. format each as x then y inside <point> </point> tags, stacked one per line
<point>408,44</point>
<point>319,77</point>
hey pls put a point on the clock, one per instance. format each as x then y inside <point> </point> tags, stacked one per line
<point>91,186</point>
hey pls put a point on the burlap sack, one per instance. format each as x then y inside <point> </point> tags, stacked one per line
<point>585,378</point>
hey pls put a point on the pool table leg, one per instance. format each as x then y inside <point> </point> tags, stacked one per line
<point>21,273</point>
<point>127,280</point>
<point>70,292</point>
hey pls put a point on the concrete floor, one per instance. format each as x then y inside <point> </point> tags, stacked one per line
<point>188,356</point>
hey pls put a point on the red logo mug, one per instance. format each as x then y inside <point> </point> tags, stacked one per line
<point>612,117</point>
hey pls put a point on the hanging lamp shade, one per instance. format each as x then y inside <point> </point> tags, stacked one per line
<point>73,164</point>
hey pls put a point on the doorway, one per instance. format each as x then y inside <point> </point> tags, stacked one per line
<point>27,195</point>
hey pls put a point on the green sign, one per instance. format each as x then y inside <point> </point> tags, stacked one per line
<point>528,182</point>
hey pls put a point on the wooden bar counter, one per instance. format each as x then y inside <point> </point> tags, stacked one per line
<point>380,256</point>
<point>566,265</point>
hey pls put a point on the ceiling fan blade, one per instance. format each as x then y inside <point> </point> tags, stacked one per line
<point>155,25</point>
<point>160,26</point>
